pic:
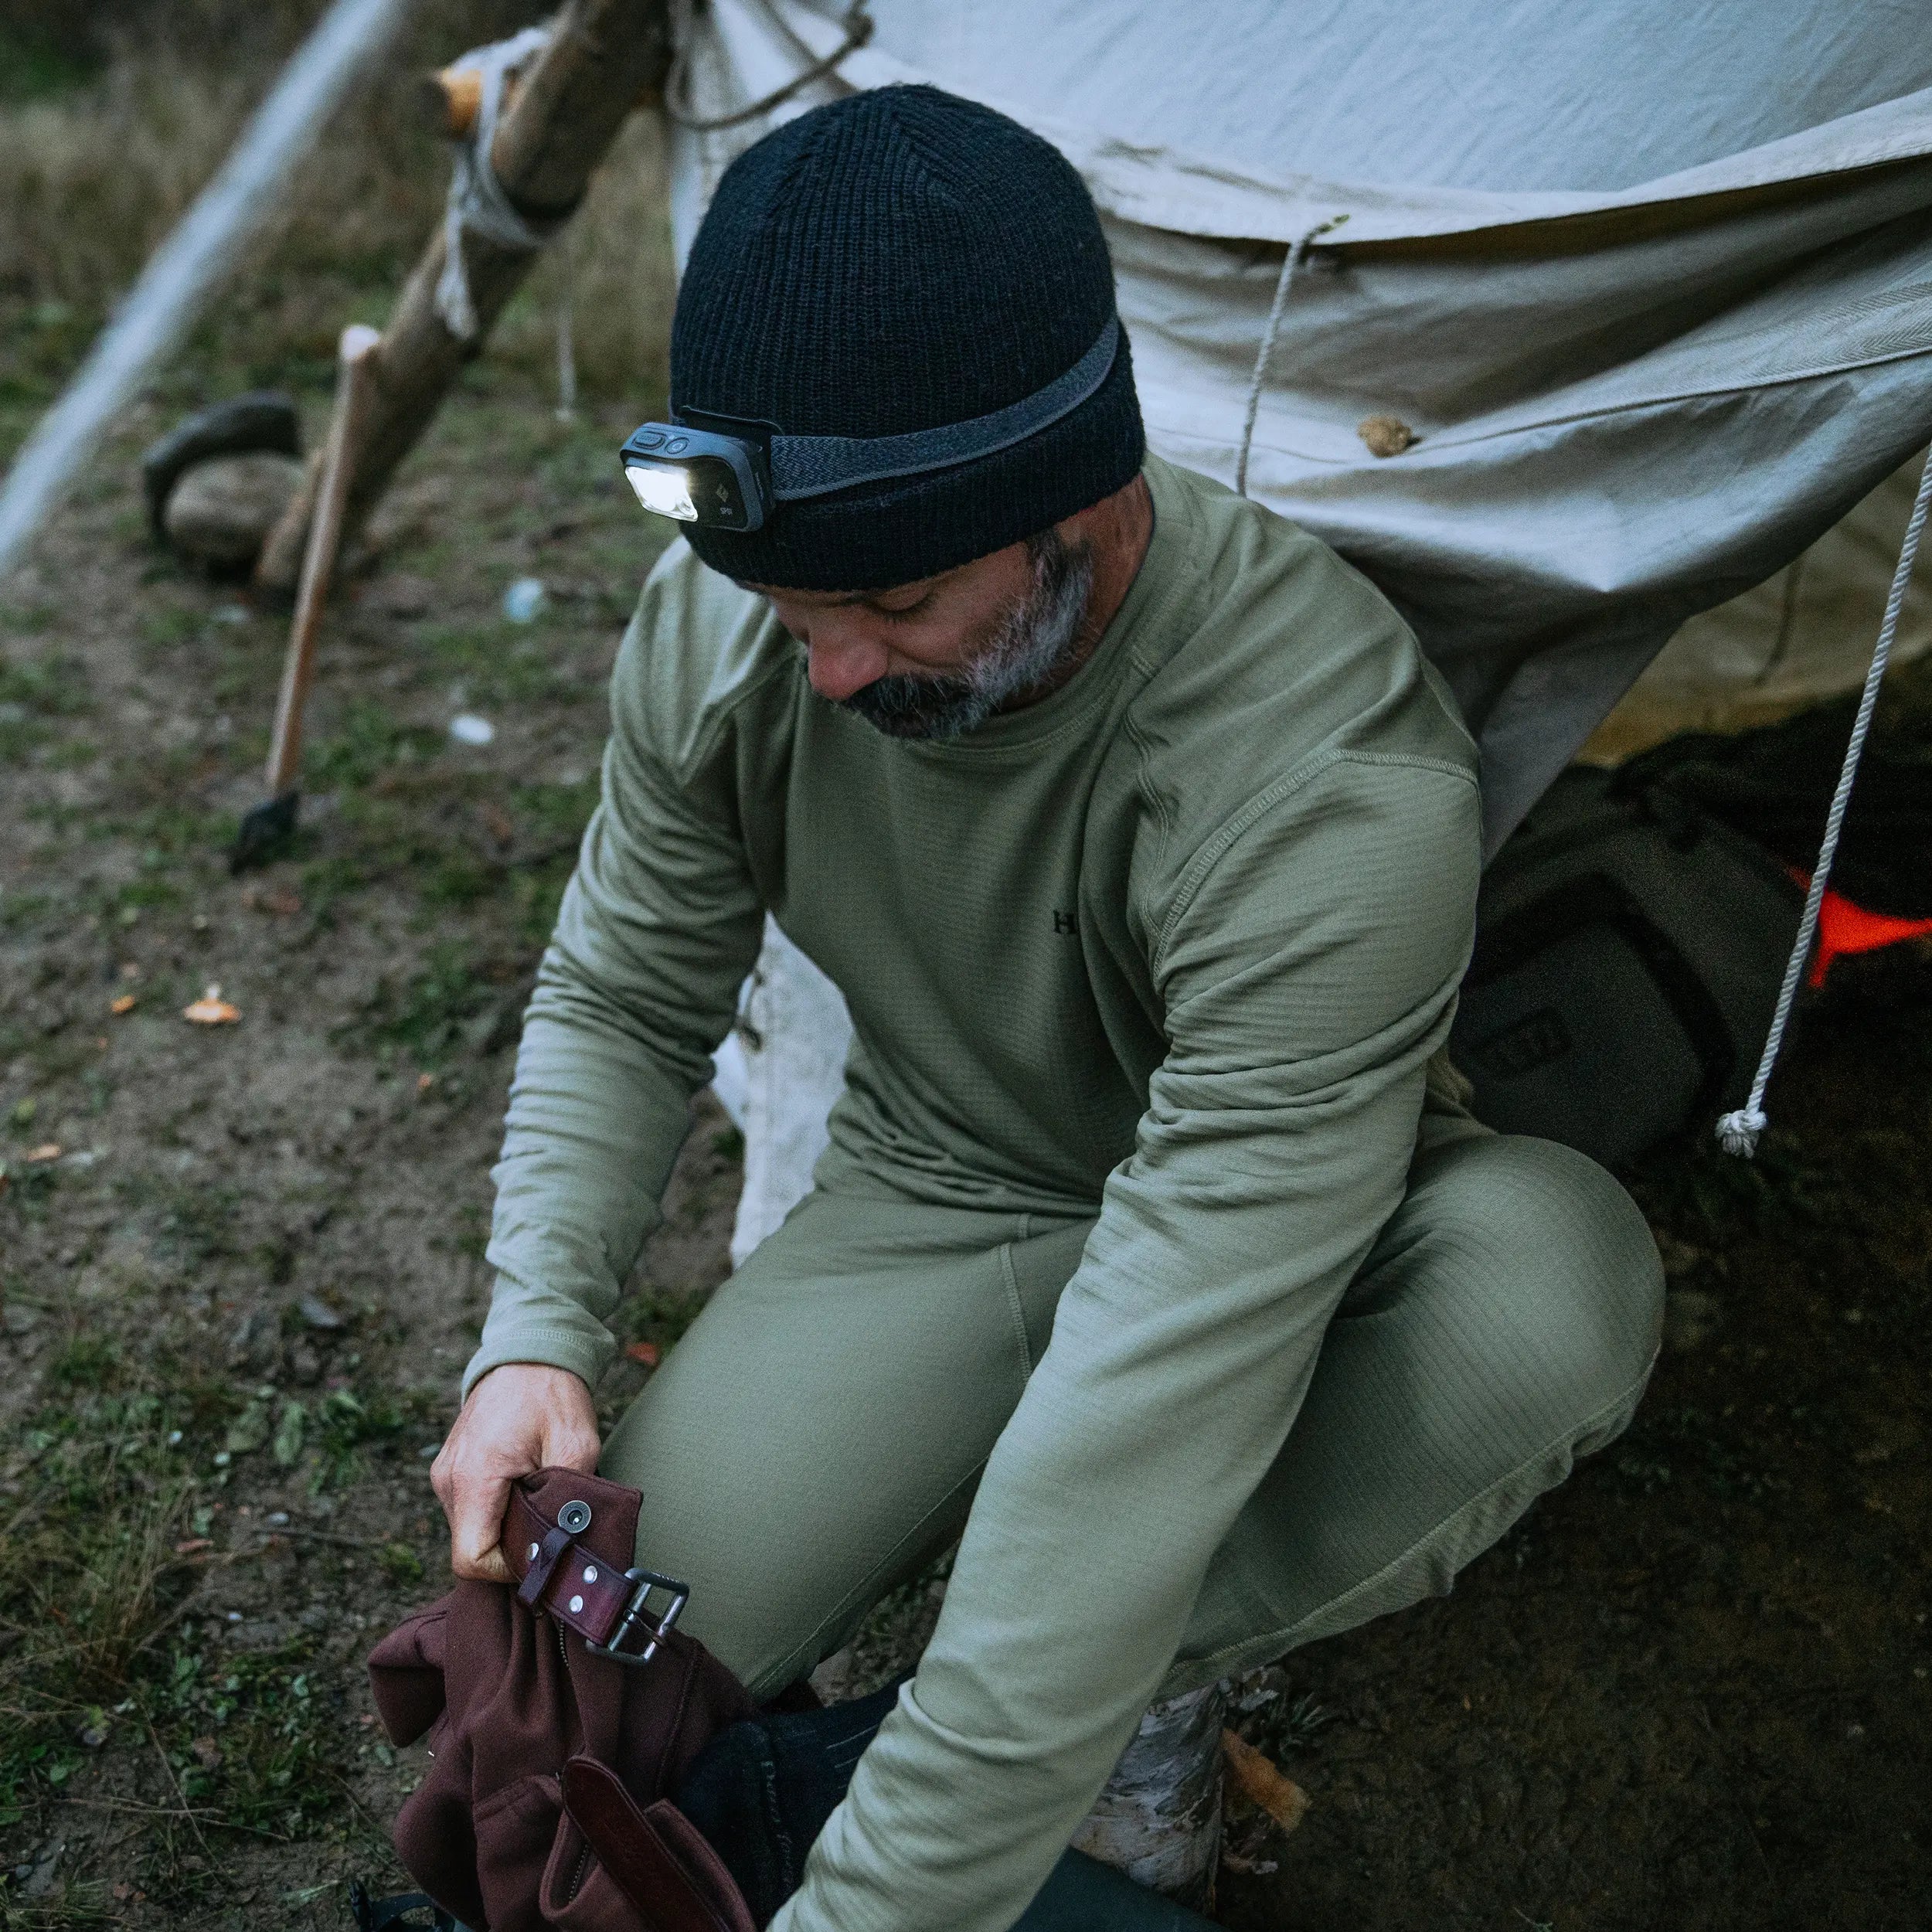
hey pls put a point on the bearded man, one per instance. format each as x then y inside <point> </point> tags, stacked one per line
<point>1154,1258</point>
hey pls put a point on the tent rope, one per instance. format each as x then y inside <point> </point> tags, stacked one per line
<point>1738,1131</point>
<point>858,25</point>
<point>1290,266</point>
<point>478,204</point>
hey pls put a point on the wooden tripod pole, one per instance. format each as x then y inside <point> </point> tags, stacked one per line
<point>567,109</point>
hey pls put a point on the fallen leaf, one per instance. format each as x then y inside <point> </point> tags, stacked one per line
<point>120,1008</point>
<point>1257,1779</point>
<point>248,1431</point>
<point>211,1010</point>
<point>278,899</point>
<point>207,1753</point>
<point>424,1082</point>
<point>498,823</point>
<point>644,1351</point>
<point>193,1544</point>
<point>39,1156</point>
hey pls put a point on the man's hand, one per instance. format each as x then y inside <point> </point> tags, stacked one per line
<point>520,1418</point>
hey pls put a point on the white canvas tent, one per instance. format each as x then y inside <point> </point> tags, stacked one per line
<point>1651,285</point>
<point>1802,635</point>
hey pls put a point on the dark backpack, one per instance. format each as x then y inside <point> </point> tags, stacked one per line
<point>1629,949</point>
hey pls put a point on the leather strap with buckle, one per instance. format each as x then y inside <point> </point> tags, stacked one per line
<point>657,1860</point>
<point>558,1573</point>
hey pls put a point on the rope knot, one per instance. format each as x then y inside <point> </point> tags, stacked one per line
<point>1737,1133</point>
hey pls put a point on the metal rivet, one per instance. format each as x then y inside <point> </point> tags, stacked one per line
<point>589,1573</point>
<point>576,1604</point>
<point>533,1549</point>
<point>574,1518</point>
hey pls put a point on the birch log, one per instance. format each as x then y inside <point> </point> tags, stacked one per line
<point>602,55</point>
<point>777,1075</point>
<point>1159,1818</point>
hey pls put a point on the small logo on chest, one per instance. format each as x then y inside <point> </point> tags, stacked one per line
<point>1065,923</point>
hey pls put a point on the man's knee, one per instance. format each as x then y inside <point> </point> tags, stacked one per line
<point>1554,1260</point>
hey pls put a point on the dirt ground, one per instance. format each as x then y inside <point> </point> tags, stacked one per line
<point>1691,1690</point>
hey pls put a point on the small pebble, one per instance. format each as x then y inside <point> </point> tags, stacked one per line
<point>277,1520</point>
<point>319,1314</point>
<point>524,599</point>
<point>1385,435</point>
<point>468,728</point>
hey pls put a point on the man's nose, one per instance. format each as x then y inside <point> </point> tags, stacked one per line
<point>839,662</point>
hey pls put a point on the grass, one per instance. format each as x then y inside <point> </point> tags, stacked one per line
<point>110,1596</point>
<point>78,1908</point>
<point>112,119</point>
<point>1274,1718</point>
<point>34,693</point>
<point>429,1012</point>
<point>131,1452</point>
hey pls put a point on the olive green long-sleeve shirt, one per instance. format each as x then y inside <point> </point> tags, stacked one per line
<point>1177,940</point>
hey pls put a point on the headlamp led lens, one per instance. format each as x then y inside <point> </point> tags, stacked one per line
<point>663,490</point>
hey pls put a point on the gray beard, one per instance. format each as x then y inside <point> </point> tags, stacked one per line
<point>1036,639</point>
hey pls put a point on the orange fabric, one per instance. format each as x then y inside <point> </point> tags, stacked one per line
<point>1845,927</point>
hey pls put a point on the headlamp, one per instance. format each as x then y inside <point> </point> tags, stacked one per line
<point>730,475</point>
<point>699,476</point>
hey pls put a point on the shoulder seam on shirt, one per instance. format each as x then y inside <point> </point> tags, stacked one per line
<point>1212,850</point>
<point>701,752</point>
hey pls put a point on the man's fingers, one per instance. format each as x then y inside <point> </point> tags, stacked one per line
<point>574,1448</point>
<point>476,1524</point>
<point>490,1568</point>
<point>518,1418</point>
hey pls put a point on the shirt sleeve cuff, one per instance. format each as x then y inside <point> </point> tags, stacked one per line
<point>578,1342</point>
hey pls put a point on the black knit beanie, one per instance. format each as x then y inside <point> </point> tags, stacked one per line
<point>902,259</point>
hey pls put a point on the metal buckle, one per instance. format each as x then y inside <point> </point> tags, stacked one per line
<point>634,1614</point>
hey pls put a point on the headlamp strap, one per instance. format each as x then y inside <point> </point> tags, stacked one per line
<point>806,466</point>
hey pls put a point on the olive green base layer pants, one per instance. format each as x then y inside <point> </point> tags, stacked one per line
<point>816,1436</point>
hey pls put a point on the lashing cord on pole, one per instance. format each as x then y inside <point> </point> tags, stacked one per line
<point>478,204</point>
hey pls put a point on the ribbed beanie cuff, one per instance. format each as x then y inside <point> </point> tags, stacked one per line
<point>902,259</point>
